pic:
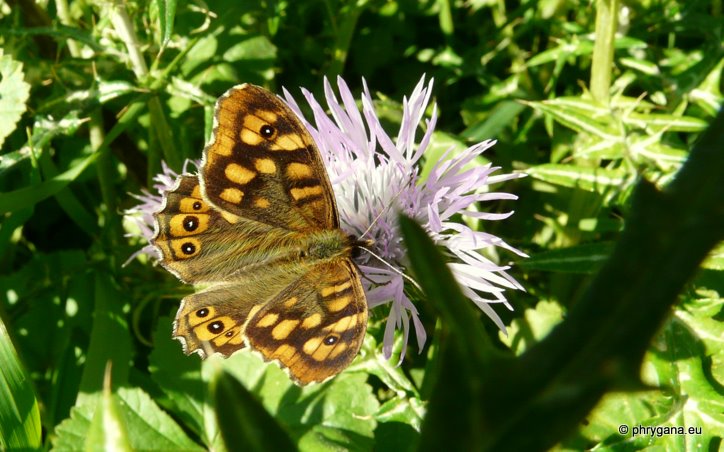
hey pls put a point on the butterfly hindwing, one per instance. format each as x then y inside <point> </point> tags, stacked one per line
<point>263,165</point>
<point>316,325</point>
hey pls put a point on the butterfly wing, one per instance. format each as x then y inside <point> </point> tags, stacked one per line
<point>245,226</point>
<point>262,164</point>
<point>198,243</point>
<point>316,325</point>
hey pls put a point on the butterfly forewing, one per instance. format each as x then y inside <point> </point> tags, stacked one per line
<point>263,165</point>
<point>198,243</point>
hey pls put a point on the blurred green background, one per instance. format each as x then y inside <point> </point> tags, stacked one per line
<point>601,103</point>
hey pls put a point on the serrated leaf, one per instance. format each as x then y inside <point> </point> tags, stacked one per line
<point>14,94</point>
<point>108,429</point>
<point>668,123</point>
<point>149,427</point>
<point>580,115</point>
<point>600,180</point>
<point>652,149</point>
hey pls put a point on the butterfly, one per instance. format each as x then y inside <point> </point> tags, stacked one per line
<point>258,227</point>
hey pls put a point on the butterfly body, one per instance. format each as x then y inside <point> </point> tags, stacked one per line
<point>258,228</point>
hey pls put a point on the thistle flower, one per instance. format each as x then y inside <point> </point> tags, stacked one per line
<point>371,173</point>
<point>374,177</point>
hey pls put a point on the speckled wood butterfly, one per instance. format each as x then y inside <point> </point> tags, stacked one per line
<point>258,227</point>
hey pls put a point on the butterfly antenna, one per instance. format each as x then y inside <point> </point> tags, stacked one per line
<point>379,258</point>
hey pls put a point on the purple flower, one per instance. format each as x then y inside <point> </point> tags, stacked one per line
<point>371,173</point>
<point>374,177</point>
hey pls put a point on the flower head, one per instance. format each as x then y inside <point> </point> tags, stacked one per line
<point>374,176</point>
<point>371,173</point>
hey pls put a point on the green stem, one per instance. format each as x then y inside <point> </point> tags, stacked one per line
<point>65,19</point>
<point>159,125</point>
<point>603,49</point>
<point>104,164</point>
<point>350,14</point>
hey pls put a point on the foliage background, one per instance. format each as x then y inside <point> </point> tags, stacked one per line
<point>94,95</point>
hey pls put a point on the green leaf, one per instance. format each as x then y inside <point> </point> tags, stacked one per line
<point>600,180</point>
<point>582,116</point>
<point>14,94</point>
<point>715,261</point>
<point>109,341</point>
<point>19,416</point>
<point>501,116</point>
<point>183,391</point>
<point>651,149</point>
<point>586,258</point>
<point>149,427</point>
<point>327,416</point>
<point>669,123</point>
<point>108,429</point>
<point>244,423</point>
<point>535,324</point>
<point>453,411</point>
<point>166,13</point>
<point>29,196</point>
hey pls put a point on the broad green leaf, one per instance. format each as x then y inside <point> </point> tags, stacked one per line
<point>19,416</point>
<point>14,94</point>
<point>244,422</point>
<point>337,413</point>
<point>108,429</point>
<point>687,398</point>
<point>600,180</point>
<point>149,427</point>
